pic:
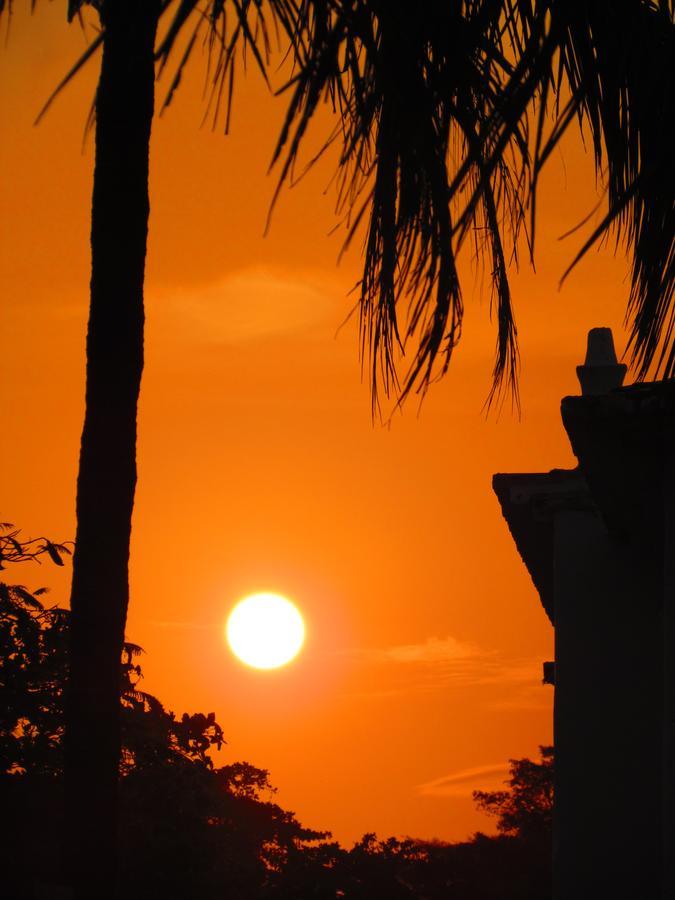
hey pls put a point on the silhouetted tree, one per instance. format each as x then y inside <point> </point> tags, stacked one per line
<point>525,810</point>
<point>16,549</point>
<point>190,828</point>
<point>484,868</point>
<point>106,483</point>
<point>107,472</point>
<point>382,868</point>
<point>32,665</point>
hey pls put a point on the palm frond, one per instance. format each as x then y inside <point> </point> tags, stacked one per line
<point>132,650</point>
<point>229,27</point>
<point>445,119</point>
<point>72,72</point>
<point>619,71</point>
<point>446,115</point>
<point>423,156</point>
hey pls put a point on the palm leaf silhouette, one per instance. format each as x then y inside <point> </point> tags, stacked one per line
<point>448,112</point>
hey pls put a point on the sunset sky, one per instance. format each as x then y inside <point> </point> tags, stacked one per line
<point>260,468</point>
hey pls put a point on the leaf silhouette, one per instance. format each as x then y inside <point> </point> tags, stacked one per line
<point>53,553</point>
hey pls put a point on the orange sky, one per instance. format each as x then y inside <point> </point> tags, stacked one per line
<point>260,467</point>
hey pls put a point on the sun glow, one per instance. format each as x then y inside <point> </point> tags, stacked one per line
<point>265,631</point>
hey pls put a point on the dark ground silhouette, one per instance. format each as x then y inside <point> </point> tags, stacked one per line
<point>189,828</point>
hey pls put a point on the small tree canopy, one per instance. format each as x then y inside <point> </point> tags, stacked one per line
<point>526,809</point>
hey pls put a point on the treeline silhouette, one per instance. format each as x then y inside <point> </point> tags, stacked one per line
<point>192,829</point>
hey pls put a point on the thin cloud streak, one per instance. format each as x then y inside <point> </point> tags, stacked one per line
<point>433,651</point>
<point>254,304</point>
<point>463,782</point>
<point>446,663</point>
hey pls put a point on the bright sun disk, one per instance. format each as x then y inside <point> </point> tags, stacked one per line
<point>265,630</point>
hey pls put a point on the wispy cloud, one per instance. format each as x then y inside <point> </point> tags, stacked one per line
<point>434,651</point>
<point>463,782</point>
<point>447,663</point>
<point>253,304</point>
<point>451,659</point>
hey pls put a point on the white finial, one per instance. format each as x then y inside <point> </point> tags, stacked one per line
<point>601,372</point>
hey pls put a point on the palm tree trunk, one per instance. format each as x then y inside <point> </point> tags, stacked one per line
<point>107,474</point>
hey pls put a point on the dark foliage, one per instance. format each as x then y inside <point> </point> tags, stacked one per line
<point>446,115</point>
<point>525,810</point>
<point>191,828</point>
<point>33,641</point>
<point>32,674</point>
<point>187,827</point>
<point>485,868</point>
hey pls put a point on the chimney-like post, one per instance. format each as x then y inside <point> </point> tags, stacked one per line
<point>601,372</point>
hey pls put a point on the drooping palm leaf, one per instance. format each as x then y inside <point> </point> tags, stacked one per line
<point>449,111</point>
<point>446,114</point>
<point>416,89</point>
<point>618,62</point>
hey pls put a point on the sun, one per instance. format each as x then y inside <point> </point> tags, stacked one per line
<point>265,631</point>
